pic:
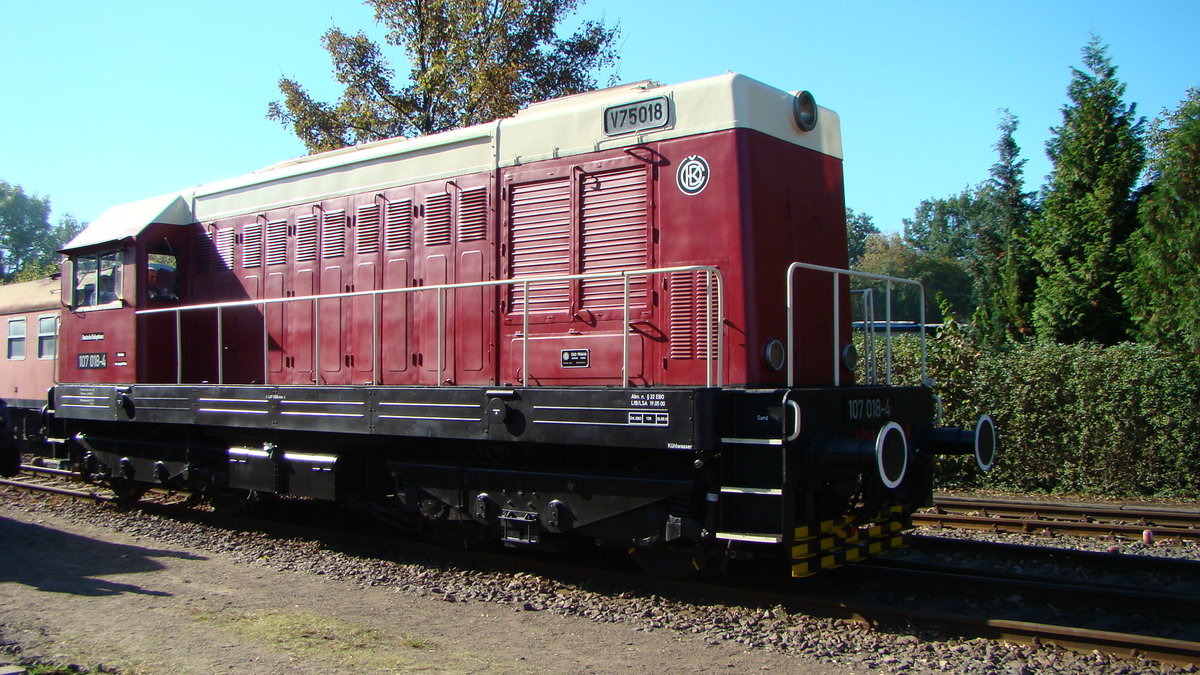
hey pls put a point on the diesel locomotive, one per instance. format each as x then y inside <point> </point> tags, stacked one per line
<point>619,318</point>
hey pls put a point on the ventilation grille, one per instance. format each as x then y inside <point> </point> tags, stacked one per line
<point>398,226</point>
<point>226,243</point>
<point>306,239</point>
<point>540,242</point>
<point>472,215</point>
<point>366,229</point>
<point>333,235</point>
<point>687,305</point>
<point>202,245</point>
<point>437,220</point>
<point>277,231</point>
<point>252,244</point>
<point>613,236</point>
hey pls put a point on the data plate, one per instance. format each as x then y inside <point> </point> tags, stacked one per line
<point>654,113</point>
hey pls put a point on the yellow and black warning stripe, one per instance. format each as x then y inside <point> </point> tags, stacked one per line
<point>835,542</point>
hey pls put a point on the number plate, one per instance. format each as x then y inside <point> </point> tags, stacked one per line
<point>868,408</point>
<point>654,113</point>
<point>93,361</point>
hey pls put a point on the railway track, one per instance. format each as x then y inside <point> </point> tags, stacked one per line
<point>1108,604</point>
<point>56,481</point>
<point>1124,619</point>
<point>1088,520</point>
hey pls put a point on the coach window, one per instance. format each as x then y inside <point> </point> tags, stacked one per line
<point>16,339</point>
<point>98,280</point>
<point>47,336</point>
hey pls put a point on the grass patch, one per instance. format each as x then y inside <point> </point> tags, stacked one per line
<point>353,645</point>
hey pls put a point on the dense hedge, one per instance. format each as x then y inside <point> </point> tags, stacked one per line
<point>1117,421</point>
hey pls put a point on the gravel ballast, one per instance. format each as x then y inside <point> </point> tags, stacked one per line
<point>456,620</point>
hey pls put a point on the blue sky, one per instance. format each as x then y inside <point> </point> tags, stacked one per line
<point>110,102</point>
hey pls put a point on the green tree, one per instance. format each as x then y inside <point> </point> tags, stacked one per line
<point>28,243</point>
<point>891,255</point>
<point>945,227</point>
<point>1160,291</point>
<point>1003,268</point>
<point>1088,209</point>
<point>471,61</point>
<point>859,226</point>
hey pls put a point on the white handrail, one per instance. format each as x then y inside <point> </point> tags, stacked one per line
<point>837,272</point>
<point>714,367</point>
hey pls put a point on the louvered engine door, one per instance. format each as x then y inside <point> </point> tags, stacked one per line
<point>578,220</point>
<point>454,242</point>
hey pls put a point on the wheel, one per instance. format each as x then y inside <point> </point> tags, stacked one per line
<point>127,491</point>
<point>462,535</point>
<point>669,561</point>
<point>231,502</point>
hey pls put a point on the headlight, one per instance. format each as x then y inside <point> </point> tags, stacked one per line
<point>850,358</point>
<point>804,110</point>
<point>775,354</point>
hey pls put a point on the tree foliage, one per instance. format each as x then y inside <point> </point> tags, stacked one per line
<point>1160,291</point>
<point>1088,209</point>
<point>859,227</point>
<point>891,255</point>
<point>28,243</point>
<point>1002,264</point>
<point>945,227</point>
<point>470,61</point>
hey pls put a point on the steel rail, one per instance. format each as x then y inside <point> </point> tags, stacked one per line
<point>1081,511</point>
<point>39,487</point>
<point>1080,519</point>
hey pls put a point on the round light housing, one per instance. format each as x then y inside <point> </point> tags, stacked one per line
<point>804,110</point>
<point>850,358</point>
<point>775,354</point>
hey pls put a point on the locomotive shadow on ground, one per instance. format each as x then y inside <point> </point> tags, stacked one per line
<point>59,562</point>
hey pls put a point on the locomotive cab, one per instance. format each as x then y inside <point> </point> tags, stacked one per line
<point>128,260</point>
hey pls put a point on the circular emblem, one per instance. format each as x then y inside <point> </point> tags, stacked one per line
<point>692,175</point>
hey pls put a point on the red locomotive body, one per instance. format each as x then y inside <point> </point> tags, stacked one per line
<point>439,324</point>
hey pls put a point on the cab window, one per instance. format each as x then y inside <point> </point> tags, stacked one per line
<point>97,280</point>
<point>162,277</point>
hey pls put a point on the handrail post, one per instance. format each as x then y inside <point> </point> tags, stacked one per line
<point>316,324</point>
<point>178,347</point>
<point>708,328</point>
<point>266,345</point>
<point>837,330</point>
<point>625,331</point>
<point>887,326</point>
<point>791,282</point>
<point>220,346</point>
<point>375,355</point>
<point>525,333</point>
<point>921,287</point>
<point>441,335</point>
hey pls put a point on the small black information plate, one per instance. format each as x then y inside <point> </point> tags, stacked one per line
<point>93,361</point>
<point>576,358</point>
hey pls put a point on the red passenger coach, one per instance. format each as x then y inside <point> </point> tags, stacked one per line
<point>618,316</point>
<point>29,313</point>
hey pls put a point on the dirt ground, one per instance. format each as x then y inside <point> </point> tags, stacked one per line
<point>90,595</point>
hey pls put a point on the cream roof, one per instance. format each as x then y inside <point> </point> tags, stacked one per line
<point>127,220</point>
<point>31,296</point>
<point>562,127</point>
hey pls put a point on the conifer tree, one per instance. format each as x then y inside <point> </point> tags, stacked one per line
<point>1160,291</point>
<point>1088,211</point>
<point>1004,268</point>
